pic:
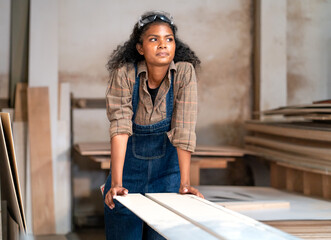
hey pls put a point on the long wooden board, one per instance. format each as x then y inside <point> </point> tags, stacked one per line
<point>321,166</point>
<point>165,222</point>
<point>216,220</point>
<point>281,130</point>
<point>317,152</point>
<point>42,196</point>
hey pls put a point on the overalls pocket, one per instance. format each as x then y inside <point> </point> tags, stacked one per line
<point>149,146</point>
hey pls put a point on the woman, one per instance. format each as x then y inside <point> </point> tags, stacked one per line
<point>152,109</point>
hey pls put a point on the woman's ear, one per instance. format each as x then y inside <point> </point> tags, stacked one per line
<point>139,48</point>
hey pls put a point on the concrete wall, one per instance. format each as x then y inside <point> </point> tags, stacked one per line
<point>219,32</point>
<point>308,51</point>
<point>4,47</point>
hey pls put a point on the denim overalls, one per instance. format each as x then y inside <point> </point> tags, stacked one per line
<point>151,166</point>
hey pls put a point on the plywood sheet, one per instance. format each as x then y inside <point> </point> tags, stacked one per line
<point>20,139</point>
<point>42,196</point>
<point>8,191</point>
<point>165,222</point>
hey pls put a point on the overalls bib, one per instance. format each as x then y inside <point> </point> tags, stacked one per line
<point>151,166</point>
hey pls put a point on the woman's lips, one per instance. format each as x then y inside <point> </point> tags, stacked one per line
<point>162,54</point>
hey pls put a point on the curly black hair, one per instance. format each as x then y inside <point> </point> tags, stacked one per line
<point>127,52</point>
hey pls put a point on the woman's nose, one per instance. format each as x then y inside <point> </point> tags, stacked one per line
<point>162,44</point>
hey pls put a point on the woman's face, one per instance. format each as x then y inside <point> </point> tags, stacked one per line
<point>158,45</point>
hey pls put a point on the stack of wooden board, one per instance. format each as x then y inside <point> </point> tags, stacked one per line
<point>12,211</point>
<point>318,111</point>
<point>300,150</point>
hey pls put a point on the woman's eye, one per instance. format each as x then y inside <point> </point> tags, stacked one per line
<point>170,39</point>
<point>152,39</point>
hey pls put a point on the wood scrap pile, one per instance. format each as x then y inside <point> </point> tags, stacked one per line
<point>31,161</point>
<point>300,148</point>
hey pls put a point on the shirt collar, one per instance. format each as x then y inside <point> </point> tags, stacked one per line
<point>142,67</point>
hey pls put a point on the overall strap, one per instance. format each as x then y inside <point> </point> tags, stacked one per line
<point>170,97</point>
<point>135,94</point>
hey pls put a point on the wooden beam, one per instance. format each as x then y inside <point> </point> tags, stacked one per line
<point>317,152</point>
<point>41,164</point>
<point>294,131</point>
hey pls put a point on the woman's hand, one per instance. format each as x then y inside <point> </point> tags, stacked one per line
<point>186,189</point>
<point>112,193</point>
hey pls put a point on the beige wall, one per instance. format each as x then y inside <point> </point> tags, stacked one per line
<point>219,32</point>
<point>4,47</point>
<point>308,51</point>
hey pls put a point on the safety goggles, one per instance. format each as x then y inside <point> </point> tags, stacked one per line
<point>151,18</point>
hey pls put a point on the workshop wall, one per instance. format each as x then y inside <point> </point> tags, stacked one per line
<point>308,51</point>
<point>219,32</point>
<point>4,48</point>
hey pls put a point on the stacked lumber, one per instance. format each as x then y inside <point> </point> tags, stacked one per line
<point>304,229</point>
<point>12,212</point>
<point>317,111</point>
<point>300,150</point>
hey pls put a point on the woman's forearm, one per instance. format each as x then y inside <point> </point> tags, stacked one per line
<point>118,150</point>
<point>184,160</point>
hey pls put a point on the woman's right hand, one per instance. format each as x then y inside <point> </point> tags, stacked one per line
<point>112,193</point>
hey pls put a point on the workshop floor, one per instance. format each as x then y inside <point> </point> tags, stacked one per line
<point>80,234</point>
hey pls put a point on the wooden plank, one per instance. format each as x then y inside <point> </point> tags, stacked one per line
<point>277,176</point>
<point>8,190</point>
<point>217,220</point>
<point>63,162</point>
<point>42,196</point>
<point>20,139</point>
<point>6,123</point>
<point>294,180</point>
<point>326,182</point>
<point>320,166</point>
<point>21,108</point>
<point>165,222</point>
<point>318,152</point>
<point>89,103</point>
<point>294,111</point>
<point>194,173</point>
<point>103,148</point>
<point>96,148</point>
<point>312,184</point>
<point>13,229</point>
<point>287,131</point>
<point>304,229</point>
<point>255,205</point>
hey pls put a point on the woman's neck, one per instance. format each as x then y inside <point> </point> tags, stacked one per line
<point>155,75</point>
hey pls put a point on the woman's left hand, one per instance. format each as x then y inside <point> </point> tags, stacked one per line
<point>187,189</point>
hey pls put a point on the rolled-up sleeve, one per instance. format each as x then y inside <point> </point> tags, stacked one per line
<point>118,100</point>
<point>182,133</point>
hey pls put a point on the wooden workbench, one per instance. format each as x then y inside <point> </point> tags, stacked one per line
<point>203,158</point>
